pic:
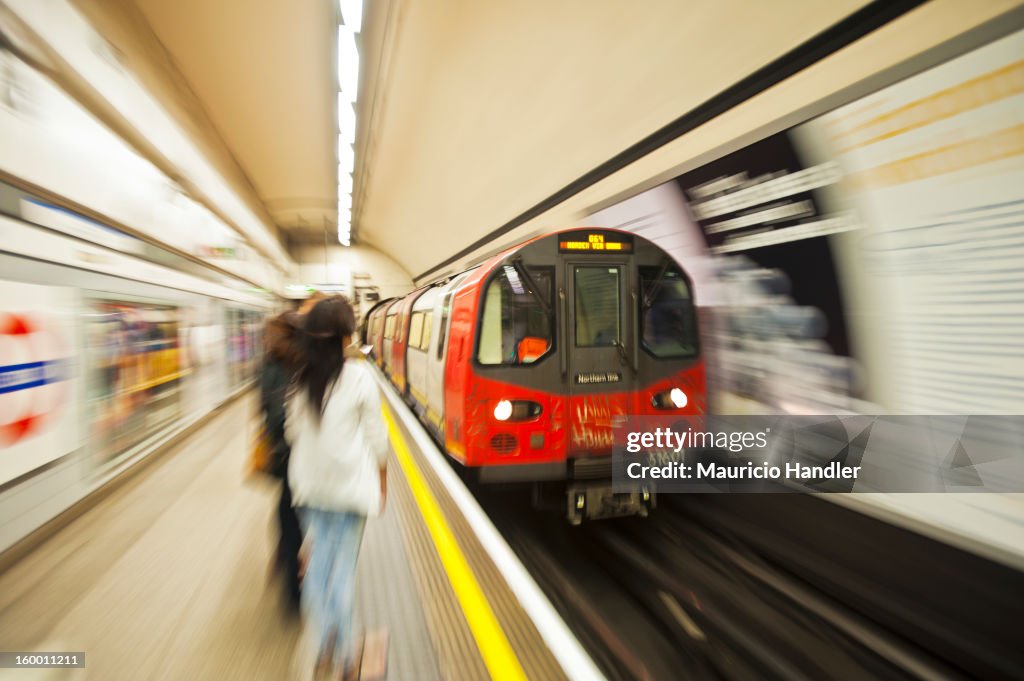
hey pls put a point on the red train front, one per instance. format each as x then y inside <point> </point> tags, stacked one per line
<point>521,365</point>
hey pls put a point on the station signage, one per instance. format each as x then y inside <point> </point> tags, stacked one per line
<point>595,242</point>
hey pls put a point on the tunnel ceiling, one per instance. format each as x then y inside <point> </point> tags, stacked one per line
<point>469,112</point>
<point>264,73</point>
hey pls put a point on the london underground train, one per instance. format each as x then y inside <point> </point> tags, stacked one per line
<point>521,366</point>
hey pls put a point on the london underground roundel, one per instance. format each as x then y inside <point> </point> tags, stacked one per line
<point>34,373</point>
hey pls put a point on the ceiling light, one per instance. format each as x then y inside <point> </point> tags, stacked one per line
<point>348,63</point>
<point>344,201</point>
<point>344,215</point>
<point>344,183</point>
<point>352,14</point>
<point>346,118</point>
<point>346,157</point>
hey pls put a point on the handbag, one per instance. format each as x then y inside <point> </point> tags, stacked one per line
<point>260,459</point>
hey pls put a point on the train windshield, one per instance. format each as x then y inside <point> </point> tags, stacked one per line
<point>516,327</point>
<point>597,306</point>
<point>668,327</point>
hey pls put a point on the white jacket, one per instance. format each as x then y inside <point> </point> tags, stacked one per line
<point>335,464</point>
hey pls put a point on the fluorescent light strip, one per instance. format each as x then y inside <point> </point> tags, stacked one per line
<point>344,183</point>
<point>348,83</point>
<point>352,14</point>
<point>346,118</point>
<point>348,64</point>
<point>346,157</point>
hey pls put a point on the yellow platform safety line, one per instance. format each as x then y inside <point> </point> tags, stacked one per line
<point>497,653</point>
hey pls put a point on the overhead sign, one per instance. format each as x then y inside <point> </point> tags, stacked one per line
<point>595,242</point>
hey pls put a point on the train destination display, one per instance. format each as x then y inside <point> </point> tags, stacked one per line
<point>604,242</point>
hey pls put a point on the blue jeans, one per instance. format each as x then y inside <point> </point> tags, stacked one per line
<point>328,589</point>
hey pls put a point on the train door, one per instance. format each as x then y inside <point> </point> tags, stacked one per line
<point>598,318</point>
<point>436,362</point>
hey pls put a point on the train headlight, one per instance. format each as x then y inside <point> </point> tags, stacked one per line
<point>516,410</point>
<point>503,410</point>
<point>670,399</point>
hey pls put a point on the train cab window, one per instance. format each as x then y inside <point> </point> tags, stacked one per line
<point>389,327</point>
<point>597,312</point>
<point>515,327</point>
<point>668,326</point>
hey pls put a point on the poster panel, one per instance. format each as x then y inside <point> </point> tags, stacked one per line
<point>38,419</point>
<point>136,372</point>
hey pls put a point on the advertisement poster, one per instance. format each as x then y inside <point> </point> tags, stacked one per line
<point>136,372</point>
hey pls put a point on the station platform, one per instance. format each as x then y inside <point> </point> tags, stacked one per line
<point>168,577</point>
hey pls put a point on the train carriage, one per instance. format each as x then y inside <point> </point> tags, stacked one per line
<point>372,330</point>
<point>396,355</point>
<point>390,323</point>
<point>522,365</point>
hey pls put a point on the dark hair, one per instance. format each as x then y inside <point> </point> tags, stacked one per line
<point>323,355</point>
<point>281,340</point>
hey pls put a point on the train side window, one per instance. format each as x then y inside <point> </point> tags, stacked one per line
<point>668,324</point>
<point>514,326</point>
<point>415,330</point>
<point>445,309</point>
<point>425,335</point>
<point>598,316</point>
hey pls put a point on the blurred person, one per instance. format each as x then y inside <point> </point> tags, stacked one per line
<point>281,360</point>
<point>337,472</point>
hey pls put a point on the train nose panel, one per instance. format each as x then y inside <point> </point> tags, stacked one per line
<point>591,420</point>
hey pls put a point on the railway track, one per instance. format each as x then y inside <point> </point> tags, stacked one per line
<point>706,588</point>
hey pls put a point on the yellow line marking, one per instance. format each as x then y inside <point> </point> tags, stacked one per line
<point>500,659</point>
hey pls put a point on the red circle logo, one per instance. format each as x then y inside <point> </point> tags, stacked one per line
<point>34,373</point>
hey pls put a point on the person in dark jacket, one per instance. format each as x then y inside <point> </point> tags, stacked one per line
<point>280,363</point>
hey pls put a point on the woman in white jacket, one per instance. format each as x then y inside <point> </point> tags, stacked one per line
<point>337,472</point>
